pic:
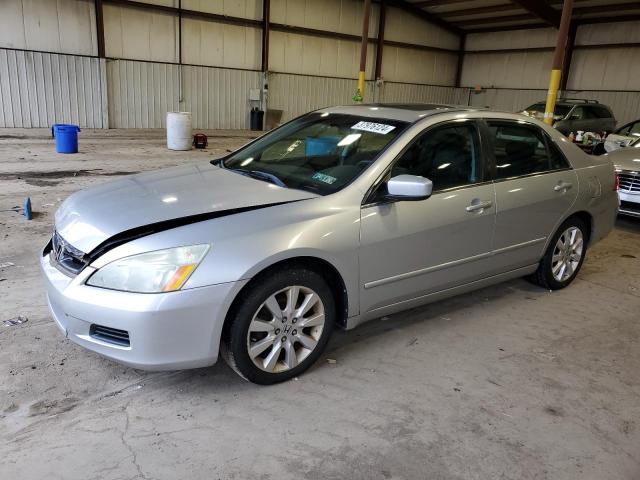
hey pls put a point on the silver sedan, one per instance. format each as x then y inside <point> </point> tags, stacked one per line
<point>335,218</point>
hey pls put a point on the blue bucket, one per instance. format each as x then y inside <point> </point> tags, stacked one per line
<point>66,137</point>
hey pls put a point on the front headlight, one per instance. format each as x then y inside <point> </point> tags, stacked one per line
<point>152,272</point>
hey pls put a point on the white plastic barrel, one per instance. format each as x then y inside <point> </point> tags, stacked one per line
<point>179,131</point>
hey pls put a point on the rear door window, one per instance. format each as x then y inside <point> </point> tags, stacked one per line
<point>600,112</point>
<point>521,149</point>
<point>583,113</point>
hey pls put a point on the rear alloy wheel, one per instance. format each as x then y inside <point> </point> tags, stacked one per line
<point>563,257</point>
<point>567,254</point>
<point>280,327</point>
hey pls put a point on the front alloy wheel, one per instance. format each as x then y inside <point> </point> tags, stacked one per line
<point>285,329</point>
<point>279,325</point>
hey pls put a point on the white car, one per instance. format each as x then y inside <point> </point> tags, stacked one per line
<point>627,165</point>
<point>623,137</point>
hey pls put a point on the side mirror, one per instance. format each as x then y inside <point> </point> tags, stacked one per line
<point>409,187</point>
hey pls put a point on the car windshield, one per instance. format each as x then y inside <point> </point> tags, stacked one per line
<point>540,107</point>
<point>319,152</point>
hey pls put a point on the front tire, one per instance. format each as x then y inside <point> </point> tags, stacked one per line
<point>564,256</point>
<point>279,327</point>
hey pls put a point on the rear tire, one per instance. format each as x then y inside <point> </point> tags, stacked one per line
<point>279,326</point>
<point>564,256</point>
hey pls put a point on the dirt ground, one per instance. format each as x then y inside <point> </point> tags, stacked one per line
<point>509,382</point>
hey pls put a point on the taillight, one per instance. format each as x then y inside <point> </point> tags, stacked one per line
<point>616,184</point>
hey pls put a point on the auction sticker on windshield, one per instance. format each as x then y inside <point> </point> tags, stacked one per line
<point>373,127</point>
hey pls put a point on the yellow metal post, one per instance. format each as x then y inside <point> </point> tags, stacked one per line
<point>361,85</point>
<point>359,96</point>
<point>556,69</point>
<point>552,95</point>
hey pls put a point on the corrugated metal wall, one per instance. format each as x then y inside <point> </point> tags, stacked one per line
<point>141,93</point>
<point>218,97</point>
<point>508,100</point>
<point>40,89</point>
<point>392,92</point>
<point>298,94</point>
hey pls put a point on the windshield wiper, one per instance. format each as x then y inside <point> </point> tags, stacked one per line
<point>259,175</point>
<point>267,176</point>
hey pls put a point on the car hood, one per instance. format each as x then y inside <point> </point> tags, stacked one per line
<point>626,158</point>
<point>91,216</point>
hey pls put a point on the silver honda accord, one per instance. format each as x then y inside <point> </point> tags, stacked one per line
<point>340,216</point>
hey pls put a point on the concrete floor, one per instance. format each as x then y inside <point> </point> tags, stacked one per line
<point>510,382</point>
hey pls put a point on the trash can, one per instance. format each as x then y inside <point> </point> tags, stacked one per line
<point>66,137</point>
<point>256,119</point>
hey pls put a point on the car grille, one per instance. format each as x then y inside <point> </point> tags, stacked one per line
<point>110,335</point>
<point>64,256</point>
<point>629,181</point>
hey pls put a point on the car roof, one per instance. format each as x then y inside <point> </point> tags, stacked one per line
<point>406,112</point>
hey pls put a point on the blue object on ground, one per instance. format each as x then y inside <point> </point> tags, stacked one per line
<point>66,137</point>
<point>27,208</point>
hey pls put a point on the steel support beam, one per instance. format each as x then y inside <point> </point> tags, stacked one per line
<point>382,18</point>
<point>266,14</point>
<point>463,41</point>
<point>100,28</point>
<point>558,56</point>
<point>359,96</point>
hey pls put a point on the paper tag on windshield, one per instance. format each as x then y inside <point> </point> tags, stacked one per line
<point>380,128</point>
<point>324,178</point>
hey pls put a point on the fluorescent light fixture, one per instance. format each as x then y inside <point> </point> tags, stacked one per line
<point>349,139</point>
<point>443,166</point>
<point>246,162</point>
<point>504,165</point>
<point>170,199</point>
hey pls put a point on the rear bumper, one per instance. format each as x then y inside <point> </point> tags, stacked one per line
<point>166,331</point>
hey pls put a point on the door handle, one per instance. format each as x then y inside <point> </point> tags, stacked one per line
<point>562,185</point>
<point>479,206</point>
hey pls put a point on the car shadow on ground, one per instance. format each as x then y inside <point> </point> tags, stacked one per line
<point>344,344</point>
<point>628,224</point>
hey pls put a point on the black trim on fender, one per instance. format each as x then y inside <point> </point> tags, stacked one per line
<point>145,230</point>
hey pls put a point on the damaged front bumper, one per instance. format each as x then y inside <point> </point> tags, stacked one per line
<point>164,331</point>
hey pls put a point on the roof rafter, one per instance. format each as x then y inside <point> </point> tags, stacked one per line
<point>541,10</point>
<point>423,14</point>
<point>509,7</point>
